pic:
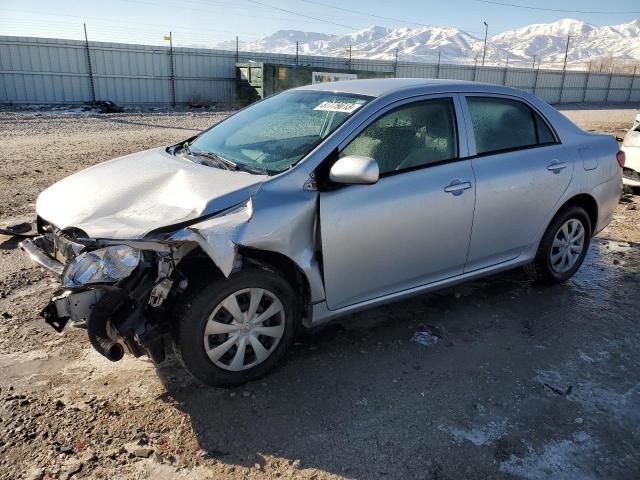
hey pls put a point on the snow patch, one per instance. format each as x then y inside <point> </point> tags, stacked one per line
<point>563,459</point>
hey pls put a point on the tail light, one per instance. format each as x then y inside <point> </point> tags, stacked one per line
<point>621,158</point>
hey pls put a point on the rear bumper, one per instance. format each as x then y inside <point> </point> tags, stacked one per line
<point>607,195</point>
<point>630,177</point>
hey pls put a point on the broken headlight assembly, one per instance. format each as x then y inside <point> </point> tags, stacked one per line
<point>105,265</point>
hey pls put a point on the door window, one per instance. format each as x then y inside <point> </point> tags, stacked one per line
<point>413,135</point>
<point>502,124</point>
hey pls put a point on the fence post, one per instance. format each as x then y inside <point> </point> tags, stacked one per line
<point>475,68</point>
<point>606,100</point>
<point>438,68</point>
<point>564,74</point>
<point>633,80</point>
<point>504,75</point>
<point>535,82</point>
<point>395,65</point>
<point>86,44</point>
<point>586,85</point>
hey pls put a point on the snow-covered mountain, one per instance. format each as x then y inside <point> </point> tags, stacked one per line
<point>587,41</point>
<point>455,45</point>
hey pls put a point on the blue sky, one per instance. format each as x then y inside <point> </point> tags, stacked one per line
<point>206,22</point>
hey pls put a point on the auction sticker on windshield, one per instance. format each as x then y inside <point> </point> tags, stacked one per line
<point>346,107</point>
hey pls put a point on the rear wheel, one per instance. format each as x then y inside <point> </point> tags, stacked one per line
<point>237,329</point>
<point>563,247</point>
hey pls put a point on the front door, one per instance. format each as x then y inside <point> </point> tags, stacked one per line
<point>413,226</point>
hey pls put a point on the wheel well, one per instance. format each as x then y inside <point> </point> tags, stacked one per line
<point>588,203</point>
<point>200,269</point>
<point>287,268</point>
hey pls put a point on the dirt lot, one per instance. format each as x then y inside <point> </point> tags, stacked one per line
<point>525,382</point>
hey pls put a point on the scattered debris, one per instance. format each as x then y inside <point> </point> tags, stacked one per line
<point>424,338</point>
<point>428,335</point>
<point>107,107</point>
<point>558,390</point>
<point>18,228</point>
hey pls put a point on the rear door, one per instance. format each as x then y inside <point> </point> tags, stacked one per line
<point>410,228</point>
<point>521,172</point>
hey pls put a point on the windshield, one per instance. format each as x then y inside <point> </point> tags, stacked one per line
<point>276,133</point>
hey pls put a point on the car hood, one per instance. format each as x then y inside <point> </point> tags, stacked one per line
<point>130,196</point>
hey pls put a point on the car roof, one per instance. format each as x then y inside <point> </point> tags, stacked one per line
<point>378,87</point>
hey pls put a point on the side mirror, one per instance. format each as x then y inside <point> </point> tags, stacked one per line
<point>354,169</point>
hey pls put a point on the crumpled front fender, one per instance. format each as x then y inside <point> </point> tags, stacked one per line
<point>276,219</point>
<point>218,236</point>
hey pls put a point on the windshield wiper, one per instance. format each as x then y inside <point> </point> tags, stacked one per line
<point>223,162</point>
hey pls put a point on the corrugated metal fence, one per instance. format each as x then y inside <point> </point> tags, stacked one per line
<point>56,71</point>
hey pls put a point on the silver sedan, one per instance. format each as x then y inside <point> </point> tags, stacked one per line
<point>314,203</point>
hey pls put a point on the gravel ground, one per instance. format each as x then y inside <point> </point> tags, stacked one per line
<point>524,382</point>
<point>594,117</point>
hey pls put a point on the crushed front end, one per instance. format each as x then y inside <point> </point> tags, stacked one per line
<point>117,287</point>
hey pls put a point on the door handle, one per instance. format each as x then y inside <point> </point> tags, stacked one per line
<point>556,166</point>
<point>457,187</point>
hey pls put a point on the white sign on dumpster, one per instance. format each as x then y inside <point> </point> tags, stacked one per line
<point>322,77</point>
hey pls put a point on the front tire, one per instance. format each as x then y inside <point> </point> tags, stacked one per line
<point>237,329</point>
<point>562,248</point>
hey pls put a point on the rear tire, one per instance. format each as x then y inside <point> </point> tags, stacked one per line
<point>562,248</point>
<point>223,340</point>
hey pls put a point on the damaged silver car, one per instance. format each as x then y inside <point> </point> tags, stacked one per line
<point>314,203</point>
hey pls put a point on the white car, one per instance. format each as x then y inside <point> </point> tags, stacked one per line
<point>631,148</point>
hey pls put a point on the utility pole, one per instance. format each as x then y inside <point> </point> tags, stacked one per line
<point>171,69</point>
<point>564,68</point>
<point>297,46</point>
<point>438,70</point>
<point>533,65</point>
<point>92,85</point>
<point>566,52</point>
<point>475,67</point>
<point>484,50</point>
<point>349,50</point>
<point>237,49</point>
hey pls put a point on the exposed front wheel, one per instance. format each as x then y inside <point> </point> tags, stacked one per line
<point>236,329</point>
<point>563,247</point>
